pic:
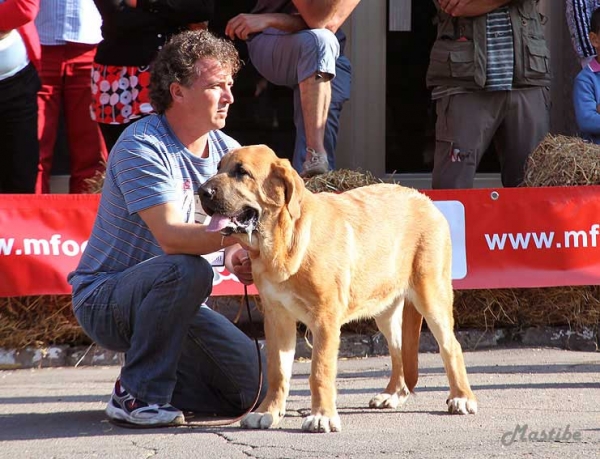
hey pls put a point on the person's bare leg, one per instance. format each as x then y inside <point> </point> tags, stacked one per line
<point>315,97</point>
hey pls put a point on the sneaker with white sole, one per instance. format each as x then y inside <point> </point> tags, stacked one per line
<point>125,408</point>
<point>315,163</point>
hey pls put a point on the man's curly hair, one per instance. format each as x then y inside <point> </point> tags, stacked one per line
<point>175,63</point>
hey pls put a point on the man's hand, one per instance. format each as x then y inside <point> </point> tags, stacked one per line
<point>470,7</point>
<point>238,262</point>
<point>243,25</point>
<point>452,6</point>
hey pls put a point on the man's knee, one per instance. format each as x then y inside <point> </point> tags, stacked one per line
<point>193,274</point>
<point>320,51</point>
<point>323,39</point>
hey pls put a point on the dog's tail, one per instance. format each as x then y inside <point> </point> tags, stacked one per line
<point>411,333</point>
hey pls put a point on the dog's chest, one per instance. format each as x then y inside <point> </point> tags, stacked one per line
<point>272,292</point>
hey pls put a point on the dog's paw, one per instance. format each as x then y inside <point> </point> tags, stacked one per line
<point>259,421</point>
<point>322,424</point>
<point>384,400</point>
<point>461,406</point>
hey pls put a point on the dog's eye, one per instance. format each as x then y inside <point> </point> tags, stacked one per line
<point>240,171</point>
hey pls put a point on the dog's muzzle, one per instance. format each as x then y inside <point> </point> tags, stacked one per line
<point>223,218</point>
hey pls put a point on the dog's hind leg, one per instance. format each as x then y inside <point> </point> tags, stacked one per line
<point>435,302</point>
<point>280,337</point>
<point>390,323</point>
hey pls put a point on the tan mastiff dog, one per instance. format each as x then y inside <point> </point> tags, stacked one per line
<point>380,251</point>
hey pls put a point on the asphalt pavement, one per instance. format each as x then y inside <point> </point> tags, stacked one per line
<point>532,403</point>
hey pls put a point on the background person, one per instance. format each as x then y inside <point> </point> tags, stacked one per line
<point>19,83</point>
<point>141,280</point>
<point>501,95</point>
<point>299,44</point>
<point>132,33</point>
<point>69,31</point>
<point>578,15</point>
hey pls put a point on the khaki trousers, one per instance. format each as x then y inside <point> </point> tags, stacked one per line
<point>516,121</point>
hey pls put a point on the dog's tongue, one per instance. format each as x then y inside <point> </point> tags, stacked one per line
<point>217,222</point>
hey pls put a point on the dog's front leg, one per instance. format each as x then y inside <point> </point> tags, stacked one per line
<point>326,343</point>
<point>280,337</point>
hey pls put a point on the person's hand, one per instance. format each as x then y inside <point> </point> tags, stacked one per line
<point>243,25</point>
<point>130,3</point>
<point>241,266</point>
<point>470,8</point>
<point>455,7</point>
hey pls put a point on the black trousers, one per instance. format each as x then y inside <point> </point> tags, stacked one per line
<point>19,146</point>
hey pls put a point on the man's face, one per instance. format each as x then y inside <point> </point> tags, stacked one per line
<point>207,100</point>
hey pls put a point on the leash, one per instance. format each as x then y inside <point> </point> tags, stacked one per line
<point>208,421</point>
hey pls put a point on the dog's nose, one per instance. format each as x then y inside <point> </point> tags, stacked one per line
<point>207,191</point>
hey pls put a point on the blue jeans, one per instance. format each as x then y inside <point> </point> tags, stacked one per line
<point>176,351</point>
<point>286,59</point>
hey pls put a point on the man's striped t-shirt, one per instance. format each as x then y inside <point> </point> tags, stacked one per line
<point>148,166</point>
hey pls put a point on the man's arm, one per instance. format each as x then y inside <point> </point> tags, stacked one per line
<point>175,237</point>
<point>312,14</point>
<point>325,14</point>
<point>244,25</point>
<point>470,7</point>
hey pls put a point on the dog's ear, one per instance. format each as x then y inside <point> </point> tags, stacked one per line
<point>294,186</point>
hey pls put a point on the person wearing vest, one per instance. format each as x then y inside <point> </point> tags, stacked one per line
<point>490,75</point>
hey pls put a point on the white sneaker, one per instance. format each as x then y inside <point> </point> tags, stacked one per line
<point>315,163</point>
<point>123,407</point>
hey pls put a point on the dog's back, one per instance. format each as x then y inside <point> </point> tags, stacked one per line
<point>373,240</point>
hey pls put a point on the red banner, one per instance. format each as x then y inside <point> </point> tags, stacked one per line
<point>524,237</point>
<point>502,238</point>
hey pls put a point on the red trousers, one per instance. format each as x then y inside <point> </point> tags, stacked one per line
<point>65,74</point>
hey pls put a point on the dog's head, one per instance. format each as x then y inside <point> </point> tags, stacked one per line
<point>252,190</point>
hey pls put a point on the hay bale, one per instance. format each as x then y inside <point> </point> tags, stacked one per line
<point>94,184</point>
<point>340,180</point>
<point>38,321</point>
<point>576,307</point>
<point>563,161</point>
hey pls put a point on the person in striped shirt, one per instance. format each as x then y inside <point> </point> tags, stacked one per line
<point>578,14</point>
<point>69,31</point>
<point>490,76</point>
<point>141,282</point>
